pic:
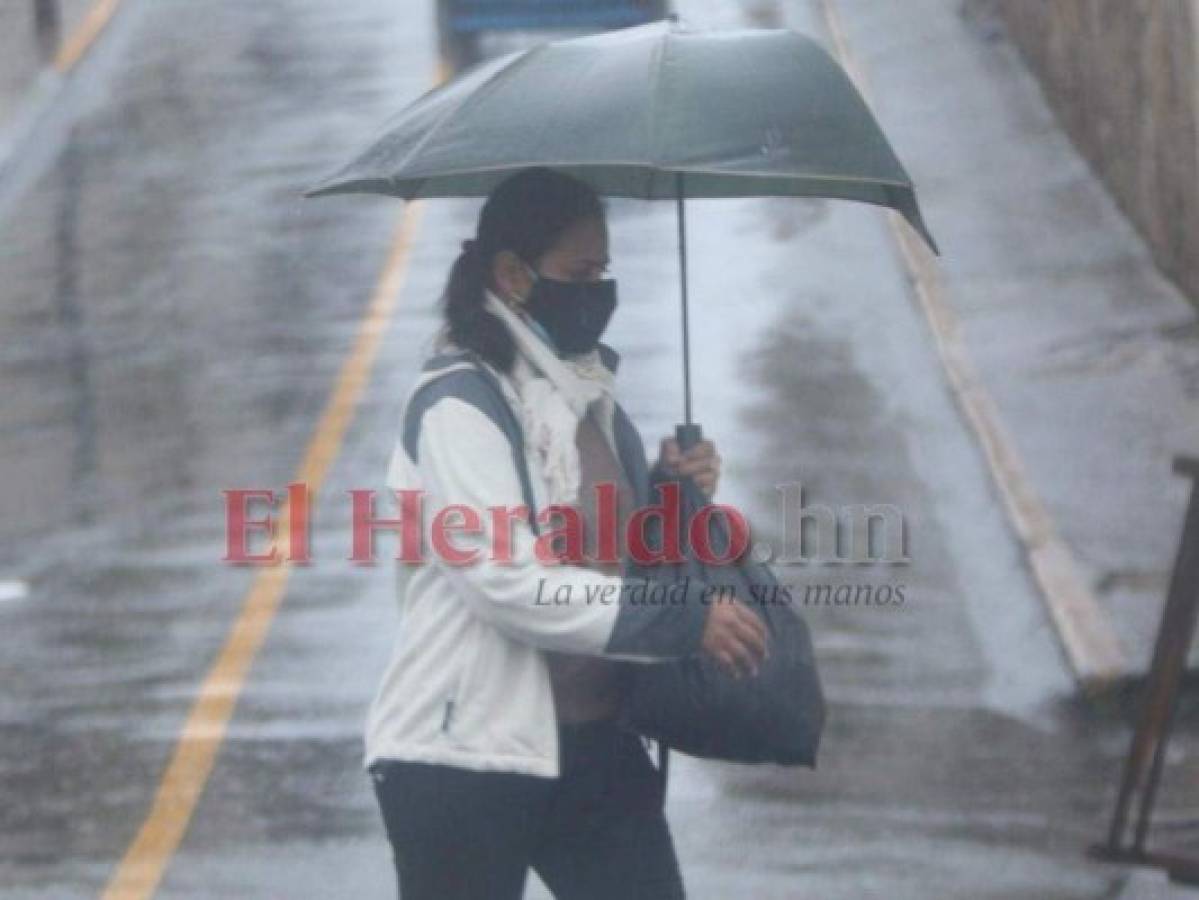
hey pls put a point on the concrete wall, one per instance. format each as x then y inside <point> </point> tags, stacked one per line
<point>1122,77</point>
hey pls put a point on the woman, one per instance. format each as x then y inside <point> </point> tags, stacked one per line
<point>493,742</point>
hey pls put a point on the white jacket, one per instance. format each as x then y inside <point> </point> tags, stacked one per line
<point>467,684</point>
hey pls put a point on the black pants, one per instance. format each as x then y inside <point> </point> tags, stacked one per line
<point>597,832</point>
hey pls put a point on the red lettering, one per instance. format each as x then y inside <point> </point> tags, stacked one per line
<point>408,525</point>
<point>571,531</point>
<point>298,543</point>
<point>501,530</point>
<point>236,524</point>
<point>471,523</point>
<point>699,534</point>
<point>669,514</point>
<point>606,549</point>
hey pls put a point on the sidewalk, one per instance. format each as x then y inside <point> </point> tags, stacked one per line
<point>1091,356</point>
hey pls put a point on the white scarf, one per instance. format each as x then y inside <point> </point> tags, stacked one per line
<point>555,393</point>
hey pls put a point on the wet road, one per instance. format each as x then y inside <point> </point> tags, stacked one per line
<point>175,318</point>
<point>25,41</point>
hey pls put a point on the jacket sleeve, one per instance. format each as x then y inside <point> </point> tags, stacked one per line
<point>464,458</point>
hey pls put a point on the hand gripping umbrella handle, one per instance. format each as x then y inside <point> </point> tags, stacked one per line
<point>688,435</point>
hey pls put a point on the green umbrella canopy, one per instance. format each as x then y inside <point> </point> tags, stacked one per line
<point>653,111</point>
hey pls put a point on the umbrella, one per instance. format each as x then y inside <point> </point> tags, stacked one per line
<point>652,111</point>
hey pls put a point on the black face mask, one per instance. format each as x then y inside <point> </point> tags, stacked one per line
<point>575,313</point>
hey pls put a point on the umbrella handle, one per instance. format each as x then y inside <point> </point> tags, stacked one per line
<point>687,436</point>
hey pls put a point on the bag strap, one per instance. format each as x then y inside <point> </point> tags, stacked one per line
<point>516,436</point>
<point>479,387</point>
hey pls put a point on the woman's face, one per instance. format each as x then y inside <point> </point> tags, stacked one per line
<point>580,254</point>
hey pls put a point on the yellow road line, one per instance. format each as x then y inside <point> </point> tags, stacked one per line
<point>82,38</point>
<point>1083,626</point>
<point>139,872</point>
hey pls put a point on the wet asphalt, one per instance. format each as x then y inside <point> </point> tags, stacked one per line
<point>174,316</point>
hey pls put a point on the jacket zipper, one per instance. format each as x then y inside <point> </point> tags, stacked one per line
<point>447,714</point>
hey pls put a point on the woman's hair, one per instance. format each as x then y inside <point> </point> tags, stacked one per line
<point>527,214</point>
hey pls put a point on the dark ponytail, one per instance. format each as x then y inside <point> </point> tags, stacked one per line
<point>468,323</point>
<point>527,214</point>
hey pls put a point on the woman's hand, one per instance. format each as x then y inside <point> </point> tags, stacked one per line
<point>701,462</point>
<point>734,636</point>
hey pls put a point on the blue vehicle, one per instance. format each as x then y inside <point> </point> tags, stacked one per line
<point>460,22</point>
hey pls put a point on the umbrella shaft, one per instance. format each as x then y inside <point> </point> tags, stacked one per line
<point>683,271</point>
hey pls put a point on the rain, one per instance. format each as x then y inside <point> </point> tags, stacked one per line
<point>178,321</point>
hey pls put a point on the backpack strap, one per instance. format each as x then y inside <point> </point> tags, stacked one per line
<point>476,385</point>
